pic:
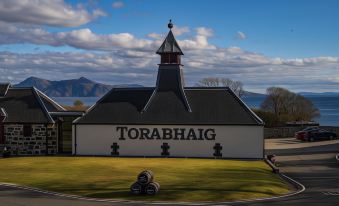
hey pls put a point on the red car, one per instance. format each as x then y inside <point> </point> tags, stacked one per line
<point>314,133</point>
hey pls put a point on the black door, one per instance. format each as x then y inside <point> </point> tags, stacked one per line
<point>2,134</point>
<point>65,134</point>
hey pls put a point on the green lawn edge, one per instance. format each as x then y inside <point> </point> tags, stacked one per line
<point>181,179</point>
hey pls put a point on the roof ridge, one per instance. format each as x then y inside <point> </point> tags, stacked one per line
<point>4,89</point>
<point>3,114</point>
<point>50,119</point>
<point>182,98</point>
<point>252,114</point>
<point>50,100</point>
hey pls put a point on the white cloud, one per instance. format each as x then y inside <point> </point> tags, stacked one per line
<point>203,31</point>
<point>81,38</point>
<point>107,67</point>
<point>177,31</point>
<point>256,71</point>
<point>118,4</point>
<point>42,12</point>
<point>86,39</point>
<point>241,35</point>
<point>127,58</point>
<point>155,36</point>
<point>200,41</point>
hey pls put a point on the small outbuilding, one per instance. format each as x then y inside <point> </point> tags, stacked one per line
<point>170,120</point>
<point>31,123</point>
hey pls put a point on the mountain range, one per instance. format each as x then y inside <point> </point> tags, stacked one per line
<point>84,87</point>
<point>81,87</point>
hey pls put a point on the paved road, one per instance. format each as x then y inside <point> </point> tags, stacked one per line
<point>291,146</point>
<point>313,165</point>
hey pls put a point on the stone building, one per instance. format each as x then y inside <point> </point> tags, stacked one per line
<point>31,123</point>
<point>170,120</point>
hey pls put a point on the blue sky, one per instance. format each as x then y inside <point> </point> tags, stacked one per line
<point>293,44</point>
<point>289,28</point>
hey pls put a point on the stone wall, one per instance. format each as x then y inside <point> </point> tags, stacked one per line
<point>33,145</point>
<point>282,132</point>
<point>52,133</point>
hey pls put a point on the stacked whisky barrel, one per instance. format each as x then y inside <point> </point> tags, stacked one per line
<point>145,184</point>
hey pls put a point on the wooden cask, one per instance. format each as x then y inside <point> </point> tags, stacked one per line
<point>145,177</point>
<point>152,188</point>
<point>137,188</point>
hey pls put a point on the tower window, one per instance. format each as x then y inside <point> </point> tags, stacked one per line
<point>170,59</point>
<point>165,58</point>
<point>174,59</point>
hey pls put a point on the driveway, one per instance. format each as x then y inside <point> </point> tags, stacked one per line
<point>311,163</point>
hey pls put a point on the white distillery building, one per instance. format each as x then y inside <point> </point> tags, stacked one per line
<point>170,120</point>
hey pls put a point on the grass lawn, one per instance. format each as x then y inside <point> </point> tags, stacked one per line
<point>180,179</point>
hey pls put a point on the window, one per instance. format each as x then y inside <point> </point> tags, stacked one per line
<point>2,134</point>
<point>165,58</point>
<point>27,130</point>
<point>174,59</point>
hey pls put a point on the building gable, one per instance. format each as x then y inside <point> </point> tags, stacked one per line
<point>23,105</point>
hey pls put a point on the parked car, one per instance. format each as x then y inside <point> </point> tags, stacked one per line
<point>314,134</point>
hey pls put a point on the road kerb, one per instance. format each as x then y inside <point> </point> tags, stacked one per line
<point>299,186</point>
<point>274,168</point>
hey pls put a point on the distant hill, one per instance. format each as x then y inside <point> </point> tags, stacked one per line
<point>81,87</point>
<point>253,94</point>
<point>305,94</point>
<point>319,94</point>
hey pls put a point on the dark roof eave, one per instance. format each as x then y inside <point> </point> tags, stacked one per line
<point>161,52</point>
<point>50,123</point>
<point>169,123</point>
<point>252,114</point>
<point>67,113</point>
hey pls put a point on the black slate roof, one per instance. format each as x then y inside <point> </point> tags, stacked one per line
<point>3,89</point>
<point>27,105</point>
<point>170,45</point>
<point>210,106</point>
<point>49,103</point>
<point>3,114</point>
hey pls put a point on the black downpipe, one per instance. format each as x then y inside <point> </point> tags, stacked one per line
<point>46,134</point>
<point>75,139</point>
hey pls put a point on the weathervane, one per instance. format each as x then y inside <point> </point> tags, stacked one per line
<point>170,25</point>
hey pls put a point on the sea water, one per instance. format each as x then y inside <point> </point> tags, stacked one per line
<point>327,105</point>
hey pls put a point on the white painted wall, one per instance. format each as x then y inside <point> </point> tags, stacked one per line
<point>237,142</point>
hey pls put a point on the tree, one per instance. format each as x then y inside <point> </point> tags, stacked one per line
<point>268,117</point>
<point>287,106</point>
<point>78,103</point>
<point>236,86</point>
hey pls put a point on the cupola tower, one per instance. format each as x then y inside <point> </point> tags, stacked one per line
<point>170,76</point>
